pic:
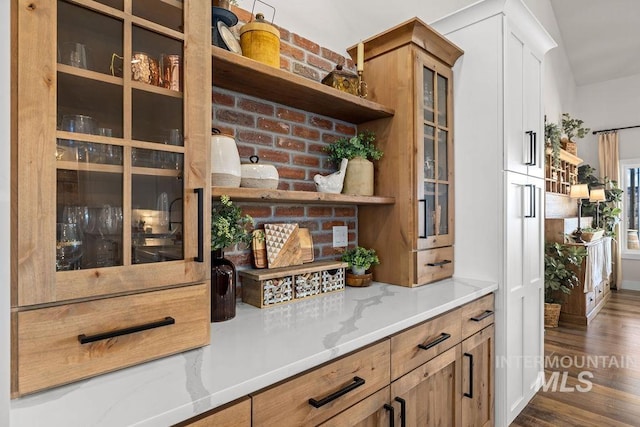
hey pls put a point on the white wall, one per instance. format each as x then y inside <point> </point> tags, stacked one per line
<point>5,61</point>
<point>338,24</point>
<point>606,105</point>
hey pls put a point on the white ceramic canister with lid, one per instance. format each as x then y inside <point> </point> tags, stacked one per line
<point>259,175</point>
<point>225,161</point>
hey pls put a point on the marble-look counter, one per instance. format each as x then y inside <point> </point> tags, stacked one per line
<point>255,349</point>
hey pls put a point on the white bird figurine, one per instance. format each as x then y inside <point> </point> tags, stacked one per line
<point>331,183</point>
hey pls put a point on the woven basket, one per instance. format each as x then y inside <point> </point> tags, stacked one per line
<point>551,315</point>
<point>570,147</point>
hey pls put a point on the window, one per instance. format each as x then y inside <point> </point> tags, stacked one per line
<point>630,208</point>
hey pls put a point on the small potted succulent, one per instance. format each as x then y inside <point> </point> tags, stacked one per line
<point>360,259</point>
<point>359,150</point>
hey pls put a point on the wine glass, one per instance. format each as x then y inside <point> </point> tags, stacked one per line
<point>68,247</point>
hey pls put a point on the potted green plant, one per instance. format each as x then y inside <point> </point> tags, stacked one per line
<point>359,150</point>
<point>360,259</point>
<point>552,138</point>
<point>228,227</point>
<point>572,130</point>
<point>560,265</point>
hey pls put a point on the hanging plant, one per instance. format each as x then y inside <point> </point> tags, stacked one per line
<point>552,138</point>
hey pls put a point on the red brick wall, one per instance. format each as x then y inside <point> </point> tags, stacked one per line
<point>293,141</point>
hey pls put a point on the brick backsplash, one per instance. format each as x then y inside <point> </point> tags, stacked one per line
<point>293,141</point>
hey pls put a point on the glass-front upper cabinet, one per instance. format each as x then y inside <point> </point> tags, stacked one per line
<point>121,192</point>
<point>435,207</point>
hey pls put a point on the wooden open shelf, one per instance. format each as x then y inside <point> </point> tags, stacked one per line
<point>284,196</point>
<point>235,72</point>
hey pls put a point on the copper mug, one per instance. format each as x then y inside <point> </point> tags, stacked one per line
<point>144,69</point>
<point>171,76</point>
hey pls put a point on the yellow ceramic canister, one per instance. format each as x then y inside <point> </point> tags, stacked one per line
<point>261,41</point>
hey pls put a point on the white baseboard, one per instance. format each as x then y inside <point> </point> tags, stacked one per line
<point>631,285</point>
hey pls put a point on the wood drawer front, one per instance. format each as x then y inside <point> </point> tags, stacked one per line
<point>288,402</point>
<point>50,353</point>
<point>477,315</point>
<point>405,353</point>
<point>434,264</point>
<point>370,412</point>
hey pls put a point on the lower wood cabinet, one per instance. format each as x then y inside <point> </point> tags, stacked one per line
<point>431,392</point>
<point>477,378</point>
<point>437,373</point>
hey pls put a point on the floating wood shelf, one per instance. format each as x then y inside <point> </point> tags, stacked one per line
<point>284,196</point>
<point>235,72</point>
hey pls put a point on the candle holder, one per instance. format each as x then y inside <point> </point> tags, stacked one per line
<point>362,86</point>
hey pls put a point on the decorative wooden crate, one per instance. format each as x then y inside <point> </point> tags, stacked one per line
<point>273,286</point>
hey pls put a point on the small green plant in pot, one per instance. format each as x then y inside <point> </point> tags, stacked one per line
<point>360,259</point>
<point>560,277</point>
<point>359,150</point>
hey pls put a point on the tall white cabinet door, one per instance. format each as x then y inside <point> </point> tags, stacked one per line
<point>523,292</point>
<point>524,142</point>
<point>534,121</point>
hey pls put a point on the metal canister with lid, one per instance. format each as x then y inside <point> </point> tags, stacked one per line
<point>260,41</point>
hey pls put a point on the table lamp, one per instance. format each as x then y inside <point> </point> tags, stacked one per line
<point>597,195</point>
<point>579,191</point>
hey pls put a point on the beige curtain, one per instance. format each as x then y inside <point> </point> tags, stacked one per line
<point>609,155</point>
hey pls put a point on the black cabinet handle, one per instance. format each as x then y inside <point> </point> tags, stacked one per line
<point>84,339</point>
<point>357,382</point>
<point>424,218</point>
<point>532,148</point>
<point>403,411</point>
<point>483,316</point>
<point>532,201</point>
<point>200,193</point>
<point>439,263</point>
<point>443,337</point>
<point>470,394</point>
<point>392,415</point>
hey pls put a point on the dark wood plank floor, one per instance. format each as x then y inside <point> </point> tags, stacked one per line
<point>609,349</point>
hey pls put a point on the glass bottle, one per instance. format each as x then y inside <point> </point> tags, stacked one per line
<point>223,287</point>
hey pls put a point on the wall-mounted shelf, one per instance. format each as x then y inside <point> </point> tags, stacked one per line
<point>284,196</point>
<point>235,72</point>
<point>559,179</point>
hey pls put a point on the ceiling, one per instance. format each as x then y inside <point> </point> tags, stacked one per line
<point>601,38</point>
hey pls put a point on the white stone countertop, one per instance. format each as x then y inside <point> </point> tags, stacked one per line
<point>257,348</point>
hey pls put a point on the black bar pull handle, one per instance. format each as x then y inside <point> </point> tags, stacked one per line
<point>392,415</point>
<point>200,193</point>
<point>483,316</point>
<point>357,382</point>
<point>534,151</point>
<point>443,337</point>
<point>532,201</point>
<point>532,148</point>
<point>84,339</point>
<point>403,411</point>
<point>424,218</point>
<point>470,393</point>
<point>439,263</point>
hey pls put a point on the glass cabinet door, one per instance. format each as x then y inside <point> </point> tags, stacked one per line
<point>122,198</point>
<point>435,211</point>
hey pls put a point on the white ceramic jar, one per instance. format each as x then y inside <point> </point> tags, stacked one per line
<point>225,161</point>
<point>259,175</point>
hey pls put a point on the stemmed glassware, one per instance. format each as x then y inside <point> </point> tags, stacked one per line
<point>68,247</point>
